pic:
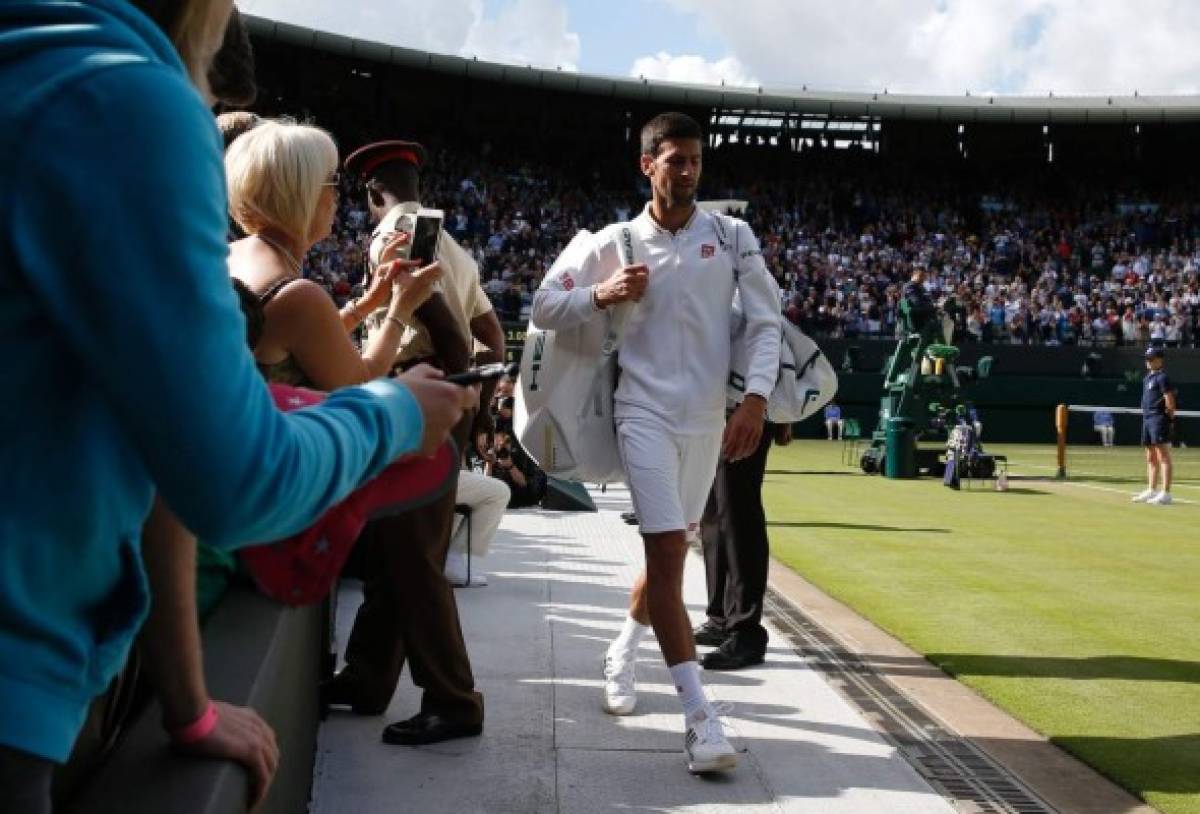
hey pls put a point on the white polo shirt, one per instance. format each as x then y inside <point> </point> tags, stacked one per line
<point>675,352</point>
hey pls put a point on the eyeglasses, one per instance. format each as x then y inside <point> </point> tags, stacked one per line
<point>334,181</point>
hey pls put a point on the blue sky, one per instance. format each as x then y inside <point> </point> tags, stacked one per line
<point>618,32</point>
<point>1031,47</point>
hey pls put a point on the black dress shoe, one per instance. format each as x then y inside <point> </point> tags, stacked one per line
<point>710,635</point>
<point>427,727</point>
<point>630,518</point>
<point>346,690</point>
<point>733,655</point>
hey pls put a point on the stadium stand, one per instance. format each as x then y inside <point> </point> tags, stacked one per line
<point>1041,233</point>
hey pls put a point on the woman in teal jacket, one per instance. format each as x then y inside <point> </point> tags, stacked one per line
<point>123,357</point>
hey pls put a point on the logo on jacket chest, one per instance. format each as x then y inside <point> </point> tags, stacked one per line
<point>707,250</point>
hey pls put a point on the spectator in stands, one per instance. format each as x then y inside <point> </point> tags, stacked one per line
<point>486,498</point>
<point>916,295</point>
<point>833,420</point>
<point>282,193</point>
<point>123,150</point>
<point>815,250</point>
<point>1104,424</point>
<point>235,124</point>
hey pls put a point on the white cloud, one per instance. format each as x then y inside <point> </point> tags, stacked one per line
<point>522,32</point>
<point>692,69</point>
<point>949,46</point>
<point>526,32</point>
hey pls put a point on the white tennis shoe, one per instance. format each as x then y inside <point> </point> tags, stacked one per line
<point>620,684</point>
<point>704,742</point>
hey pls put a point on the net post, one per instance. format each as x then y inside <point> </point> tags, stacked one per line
<point>1060,426</point>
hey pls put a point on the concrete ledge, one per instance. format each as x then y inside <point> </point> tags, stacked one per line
<point>257,653</point>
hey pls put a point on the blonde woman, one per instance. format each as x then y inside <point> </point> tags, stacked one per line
<point>283,188</point>
<point>115,270</point>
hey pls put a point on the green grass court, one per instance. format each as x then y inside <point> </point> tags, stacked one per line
<point>1062,602</point>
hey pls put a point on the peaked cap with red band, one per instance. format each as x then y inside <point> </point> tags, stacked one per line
<point>365,160</point>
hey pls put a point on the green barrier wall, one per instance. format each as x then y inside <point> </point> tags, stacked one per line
<point>1016,404</point>
<point>1020,409</point>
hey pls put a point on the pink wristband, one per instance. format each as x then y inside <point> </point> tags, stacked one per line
<point>198,729</point>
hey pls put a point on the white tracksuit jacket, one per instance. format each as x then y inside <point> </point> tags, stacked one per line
<point>674,355</point>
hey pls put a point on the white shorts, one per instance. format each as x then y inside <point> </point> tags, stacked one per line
<point>669,475</point>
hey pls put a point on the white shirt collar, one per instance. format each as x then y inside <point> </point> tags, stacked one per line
<point>649,227</point>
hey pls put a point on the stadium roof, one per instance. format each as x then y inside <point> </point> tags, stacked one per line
<point>951,109</point>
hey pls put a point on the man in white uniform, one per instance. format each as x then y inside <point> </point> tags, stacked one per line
<point>670,399</point>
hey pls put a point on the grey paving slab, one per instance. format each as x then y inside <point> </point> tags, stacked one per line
<point>599,783</point>
<point>557,595</point>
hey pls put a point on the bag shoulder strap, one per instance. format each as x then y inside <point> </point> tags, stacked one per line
<point>615,318</point>
<point>725,224</point>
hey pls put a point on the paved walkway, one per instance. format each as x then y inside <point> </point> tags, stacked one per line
<point>537,633</point>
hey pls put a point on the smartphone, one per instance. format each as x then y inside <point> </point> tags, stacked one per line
<point>426,235</point>
<point>483,374</point>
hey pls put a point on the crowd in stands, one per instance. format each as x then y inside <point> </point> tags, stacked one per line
<point>842,240</point>
<point>165,429</point>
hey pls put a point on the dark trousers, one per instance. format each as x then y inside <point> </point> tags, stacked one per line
<point>409,613</point>
<point>734,536</point>
<point>24,782</point>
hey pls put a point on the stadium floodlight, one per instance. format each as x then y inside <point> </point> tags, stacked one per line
<point>1062,415</point>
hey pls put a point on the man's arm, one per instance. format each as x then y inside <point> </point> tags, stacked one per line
<point>487,330</point>
<point>567,296</point>
<point>162,343</point>
<point>759,295</point>
<point>449,344</point>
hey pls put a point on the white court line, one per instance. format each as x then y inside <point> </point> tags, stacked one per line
<point>1085,474</point>
<point>1107,488</point>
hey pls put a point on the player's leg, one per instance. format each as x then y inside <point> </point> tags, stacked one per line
<point>666,553</point>
<point>651,462</point>
<point>705,743</point>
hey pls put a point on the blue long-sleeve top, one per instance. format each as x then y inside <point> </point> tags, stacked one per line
<point>123,364</point>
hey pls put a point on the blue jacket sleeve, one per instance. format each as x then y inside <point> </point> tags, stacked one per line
<point>122,224</point>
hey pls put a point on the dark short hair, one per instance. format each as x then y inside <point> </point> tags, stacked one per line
<point>668,126</point>
<point>231,75</point>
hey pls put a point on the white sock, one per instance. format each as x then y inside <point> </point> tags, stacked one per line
<point>687,683</point>
<point>627,641</point>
